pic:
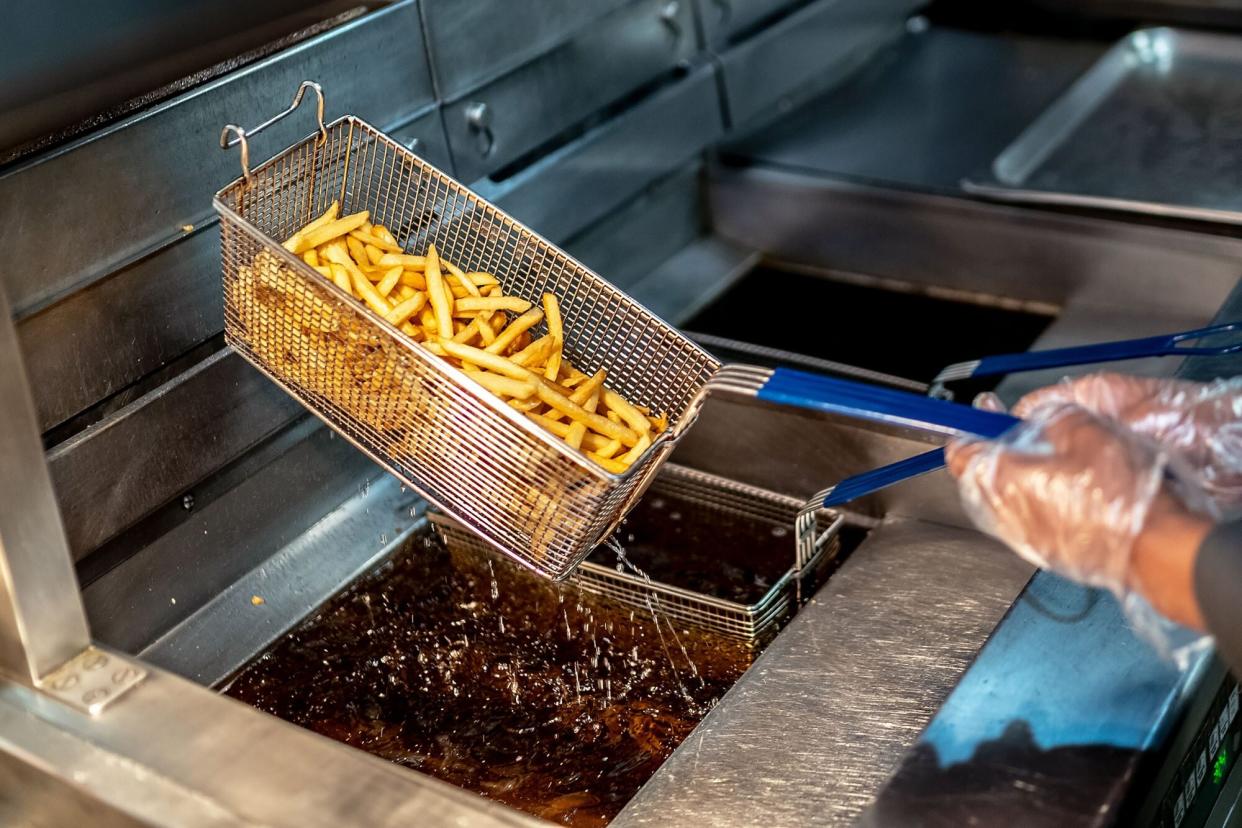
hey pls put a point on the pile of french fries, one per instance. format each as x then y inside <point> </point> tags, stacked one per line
<point>467,319</point>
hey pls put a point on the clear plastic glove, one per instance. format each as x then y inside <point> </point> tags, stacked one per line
<point>1069,491</point>
<point>1199,423</point>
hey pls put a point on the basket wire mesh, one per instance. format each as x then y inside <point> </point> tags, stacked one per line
<point>521,489</point>
<point>753,623</point>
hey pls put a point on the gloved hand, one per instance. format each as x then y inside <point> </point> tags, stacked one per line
<point>1200,424</point>
<point>1066,489</point>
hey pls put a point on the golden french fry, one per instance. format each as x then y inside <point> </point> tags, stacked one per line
<point>324,271</point>
<point>481,279</point>
<point>534,353</point>
<point>390,259</point>
<point>358,252</point>
<point>415,280</point>
<point>552,311</point>
<point>329,231</point>
<point>485,328</point>
<point>311,258</point>
<point>492,362</point>
<point>405,309</point>
<point>295,240</point>
<point>608,450</point>
<point>467,332</point>
<point>608,465</point>
<point>374,254</point>
<point>574,411</point>
<point>644,443</point>
<point>388,282</point>
<point>504,386</point>
<point>586,390</point>
<point>460,278</point>
<point>634,418</point>
<point>381,233</point>
<point>441,302</point>
<point>517,327</point>
<point>367,236</point>
<point>341,276</point>
<point>476,304</point>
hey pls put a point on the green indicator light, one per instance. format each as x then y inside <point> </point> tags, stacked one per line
<point>1218,769</point>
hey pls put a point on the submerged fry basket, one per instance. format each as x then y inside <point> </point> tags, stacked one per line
<point>520,488</point>
<point>754,623</point>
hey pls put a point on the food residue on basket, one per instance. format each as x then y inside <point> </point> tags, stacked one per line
<point>469,320</point>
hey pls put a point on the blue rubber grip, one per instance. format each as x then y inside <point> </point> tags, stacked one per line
<point>869,402</point>
<point>859,485</point>
<point>1151,346</point>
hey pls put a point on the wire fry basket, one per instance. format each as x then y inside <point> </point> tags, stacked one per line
<point>520,488</point>
<point>725,499</point>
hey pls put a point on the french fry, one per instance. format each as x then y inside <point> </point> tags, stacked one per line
<point>368,236</point>
<point>492,362</point>
<point>577,431</point>
<point>415,280</point>
<point>475,304</point>
<point>585,390</point>
<point>485,328</point>
<point>374,254</point>
<point>295,241</point>
<point>613,466</point>
<point>552,312</point>
<point>390,259</point>
<point>458,276</point>
<point>357,251</point>
<point>504,386</point>
<point>634,418</point>
<point>644,442</point>
<point>311,258</point>
<point>388,282</point>
<point>441,304</point>
<point>515,329</point>
<point>341,276</point>
<point>482,279</point>
<point>329,231</point>
<point>367,291</point>
<point>381,233</point>
<point>405,309</point>
<point>534,353</point>
<point>574,411</point>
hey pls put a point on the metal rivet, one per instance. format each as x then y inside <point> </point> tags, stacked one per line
<point>94,661</point>
<point>95,695</point>
<point>66,682</point>
<point>124,674</point>
<point>187,502</point>
<point>413,144</point>
<point>479,119</point>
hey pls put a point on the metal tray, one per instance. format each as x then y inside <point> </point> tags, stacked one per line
<point>1154,127</point>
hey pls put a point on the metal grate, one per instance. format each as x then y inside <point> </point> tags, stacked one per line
<point>753,623</point>
<point>520,488</point>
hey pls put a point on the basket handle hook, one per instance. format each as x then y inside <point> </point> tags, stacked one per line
<point>240,136</point>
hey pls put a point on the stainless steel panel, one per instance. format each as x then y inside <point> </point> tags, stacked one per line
<point>809,733</point>
<point>119,329</point>
<point>805,53</point>
<point>690,279</point>
<point>218,639</point>
<point>120,469</point>
<point>1147,129</point>
<point>989,249</point>
<point>424,135</point>
<point>725,19</point>
<point>41,620</point>
<point>115,196</point>
<point>147,594</point>
<point>472,41</point>
<point>203,759</point>
<point>586,180</point>
<point>634,239</point>
<point>500,122</point>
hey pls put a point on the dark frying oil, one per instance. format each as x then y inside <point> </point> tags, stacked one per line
<point>469,669</point>
<point>684,542</point>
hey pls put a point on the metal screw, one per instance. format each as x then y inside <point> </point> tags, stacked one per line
<point>98,694</point>
<point>479,119</point>
<point>413,144</point>
<point>187,502</point>
<point>94,661</point>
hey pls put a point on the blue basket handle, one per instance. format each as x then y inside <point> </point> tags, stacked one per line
<point>1178,344</point>
<point>870,402</point>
